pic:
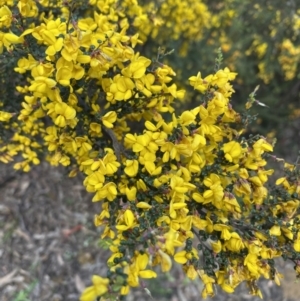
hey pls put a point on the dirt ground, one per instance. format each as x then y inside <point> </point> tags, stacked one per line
<point>49,246</point>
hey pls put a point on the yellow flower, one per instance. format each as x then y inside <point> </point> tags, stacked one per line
<point>225,234</point>
<point>261,146</point>
<point>251,262</point>
<point>235,243</point>
<point>198,197</point>
<point>165,261</point>
<point>150,126</point>
<point>127,221</point>
<point>186,118</point>
<point>5,16</point>
<point>143,205</point>
<point>152,169</point>
<point>64,113</point>
<point>27,8</point>
<point>137,143</point>
<point>198,83</point>
<point>5,116</point>
<point>137,269</point>
<point>70,48</point>
<point>109,118</point>
<point>135,40</point>
<point>227,288</point>
<point>214,195</point>
<point>190,271</point>
<point>99,288</point>
<point>230,203</point>
<point>132,168</point>
<point>208,282</point>
<point>63,76</point>
<point>137,69</point>
<point>55,46</point>
<point>275,230</point>
<point>172,241</point>
<point>175,93</point>
<point>297,243</point>
<point>131,193</point>
<point>199,223</point>
<point>42,85</point>
<point>10,38</point>
<point>174,207</point>
<point>269,253</point>
<point>232,150</point>
<point>183,256</point>
<point>120,89</point>
<point>147,274</point>
<point>108,191</point>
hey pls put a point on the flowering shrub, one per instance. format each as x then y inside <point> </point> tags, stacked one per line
<point>188,187</point>
<point>260,41</point>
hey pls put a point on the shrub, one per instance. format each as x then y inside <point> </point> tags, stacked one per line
<point>188,187</point>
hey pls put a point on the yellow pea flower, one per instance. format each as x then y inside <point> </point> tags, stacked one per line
<point>121,88</point>
<point>109,118</point>
<point>208,282</point>
<point>63,76</point>
<point>235,243</point>
<point>54,47</point>
<point>152,169</point>
<point>232,150</point>
<point>296,244</point>
<point>99,288</point>
<point>5,116</point>
<point>280,181</point>
<point>251,262</point>
<point>186,118</point>
<point>227,288</point>
<point>132,168</point>
<point>5,16</point>
<point>180,257</point>
<point>83,59</point>
<point>191,272</point>
<point>269,253</point>
<point>216,246</point>
<point>137,68</point>
<point>49,38</point>
<point>70,48</point>
<point>225,233</point>
<point>128,221</point>
<point>199,223</point>
<point>147,274</point>
<point>150,126</point>
<point>131,193</point>
<point>261,146</point>
<point>65,113</point>
<point>11,38</point>
<point>198,197</point>
<point>143,205</point>
<point>42,84</point>
<point>165,261</point>
<point>275,230</point>
<point>108,191</point>
<point>198,83</point>
<point>183,256</point>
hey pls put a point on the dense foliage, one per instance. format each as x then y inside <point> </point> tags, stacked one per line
<point>259,40</point>
<point>190,187</point>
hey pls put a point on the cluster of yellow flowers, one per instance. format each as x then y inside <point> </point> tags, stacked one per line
<point>187,188</point>
<point>289,59</point>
